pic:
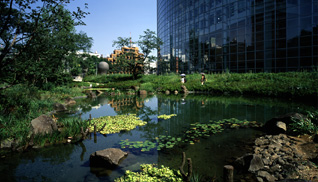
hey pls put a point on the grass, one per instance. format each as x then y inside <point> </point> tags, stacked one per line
<point>21,104</point>
<point>288,84</point>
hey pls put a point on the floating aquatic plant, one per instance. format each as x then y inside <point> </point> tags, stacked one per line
<point>149,172</point>
<point>115,124</point>
<point>160,142</point>
<point>192,135</point>
<point>199,130</point>
<point>164,116</point>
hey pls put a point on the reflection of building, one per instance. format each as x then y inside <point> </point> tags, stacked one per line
<point>131,53</point>
<point>237,35</point>
<point>120,104</point>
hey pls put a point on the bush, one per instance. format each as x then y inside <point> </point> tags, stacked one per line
<point>307,125</point>
<point>149,87</point>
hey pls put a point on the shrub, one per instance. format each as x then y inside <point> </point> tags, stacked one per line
<point>308,125</point>
<point>149,87</point>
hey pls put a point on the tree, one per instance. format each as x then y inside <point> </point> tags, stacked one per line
<point>36,36</point>
<point>128,60</point>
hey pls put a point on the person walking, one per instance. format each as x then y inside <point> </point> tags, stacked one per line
<point>203,79</point>
<point>183,78</point>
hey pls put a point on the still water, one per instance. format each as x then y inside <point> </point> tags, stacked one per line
<point>70,162</point>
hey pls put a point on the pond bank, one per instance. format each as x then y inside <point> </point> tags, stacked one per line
<point>280,157</point>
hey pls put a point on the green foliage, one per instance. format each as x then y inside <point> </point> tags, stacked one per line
<point>70,127</point>
<point>58,94</point>
<point>37,38</point>
<point>115,124</point>
<point>20,104</point>
<point>133,63</point>
<point>196,177</point>
<point>151,173</point>
<point>108,78</point>
<point>149,87</point>
<point>307,125</point>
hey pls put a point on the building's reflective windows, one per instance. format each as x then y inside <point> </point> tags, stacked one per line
<point>237,35</point>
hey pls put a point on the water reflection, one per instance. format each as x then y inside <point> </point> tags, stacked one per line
<point>70,162</point>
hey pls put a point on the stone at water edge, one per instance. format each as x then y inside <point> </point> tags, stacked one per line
<point>59,107</point>
<point>107,158</point>
<point>43,125</point>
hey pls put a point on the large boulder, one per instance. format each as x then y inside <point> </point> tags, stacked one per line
<point>43,125</point>
<point>249,162</point>
<point>280,124</point>
<point>108,158</point>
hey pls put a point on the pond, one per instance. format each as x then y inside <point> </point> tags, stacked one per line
<point>70,162</point>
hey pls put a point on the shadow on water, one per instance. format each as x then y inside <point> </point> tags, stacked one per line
<point>70,162</point>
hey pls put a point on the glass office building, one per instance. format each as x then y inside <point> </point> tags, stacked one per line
<point>237,35</point>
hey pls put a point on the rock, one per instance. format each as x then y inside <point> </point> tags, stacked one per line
<point>266,175</point>
<point>283,157</point>
<point>59,107</point>
<point>256,163</point>
<point>70,101</point>
<point>279,124</point>
<point>108,158</point>
<point>7,143</point>
<point>142,92</point>
<point>259,179</point>
<point>43,125</point>
<point>250,162</point>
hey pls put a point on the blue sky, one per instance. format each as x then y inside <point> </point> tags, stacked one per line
<point>109,19</point>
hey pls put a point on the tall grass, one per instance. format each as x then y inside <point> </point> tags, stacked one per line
<point>20,104</point>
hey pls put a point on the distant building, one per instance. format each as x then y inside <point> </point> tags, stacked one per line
<point>151,68</point>
<point>90,53</point>
<point>113,58</point>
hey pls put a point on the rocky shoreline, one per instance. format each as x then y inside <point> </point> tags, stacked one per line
<point>280,157</point>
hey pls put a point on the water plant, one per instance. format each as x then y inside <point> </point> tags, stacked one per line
<point>160,142</point>
<point>115,124</point>
<point>164,116</point>
<point>199,130</point>
<point>149,172</point>
<point>192,135</point>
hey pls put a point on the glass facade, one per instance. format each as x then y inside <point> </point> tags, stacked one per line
<point>237,35</point>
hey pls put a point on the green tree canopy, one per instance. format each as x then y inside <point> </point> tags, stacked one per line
<point>147,43</point>
<point>36,36</point>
